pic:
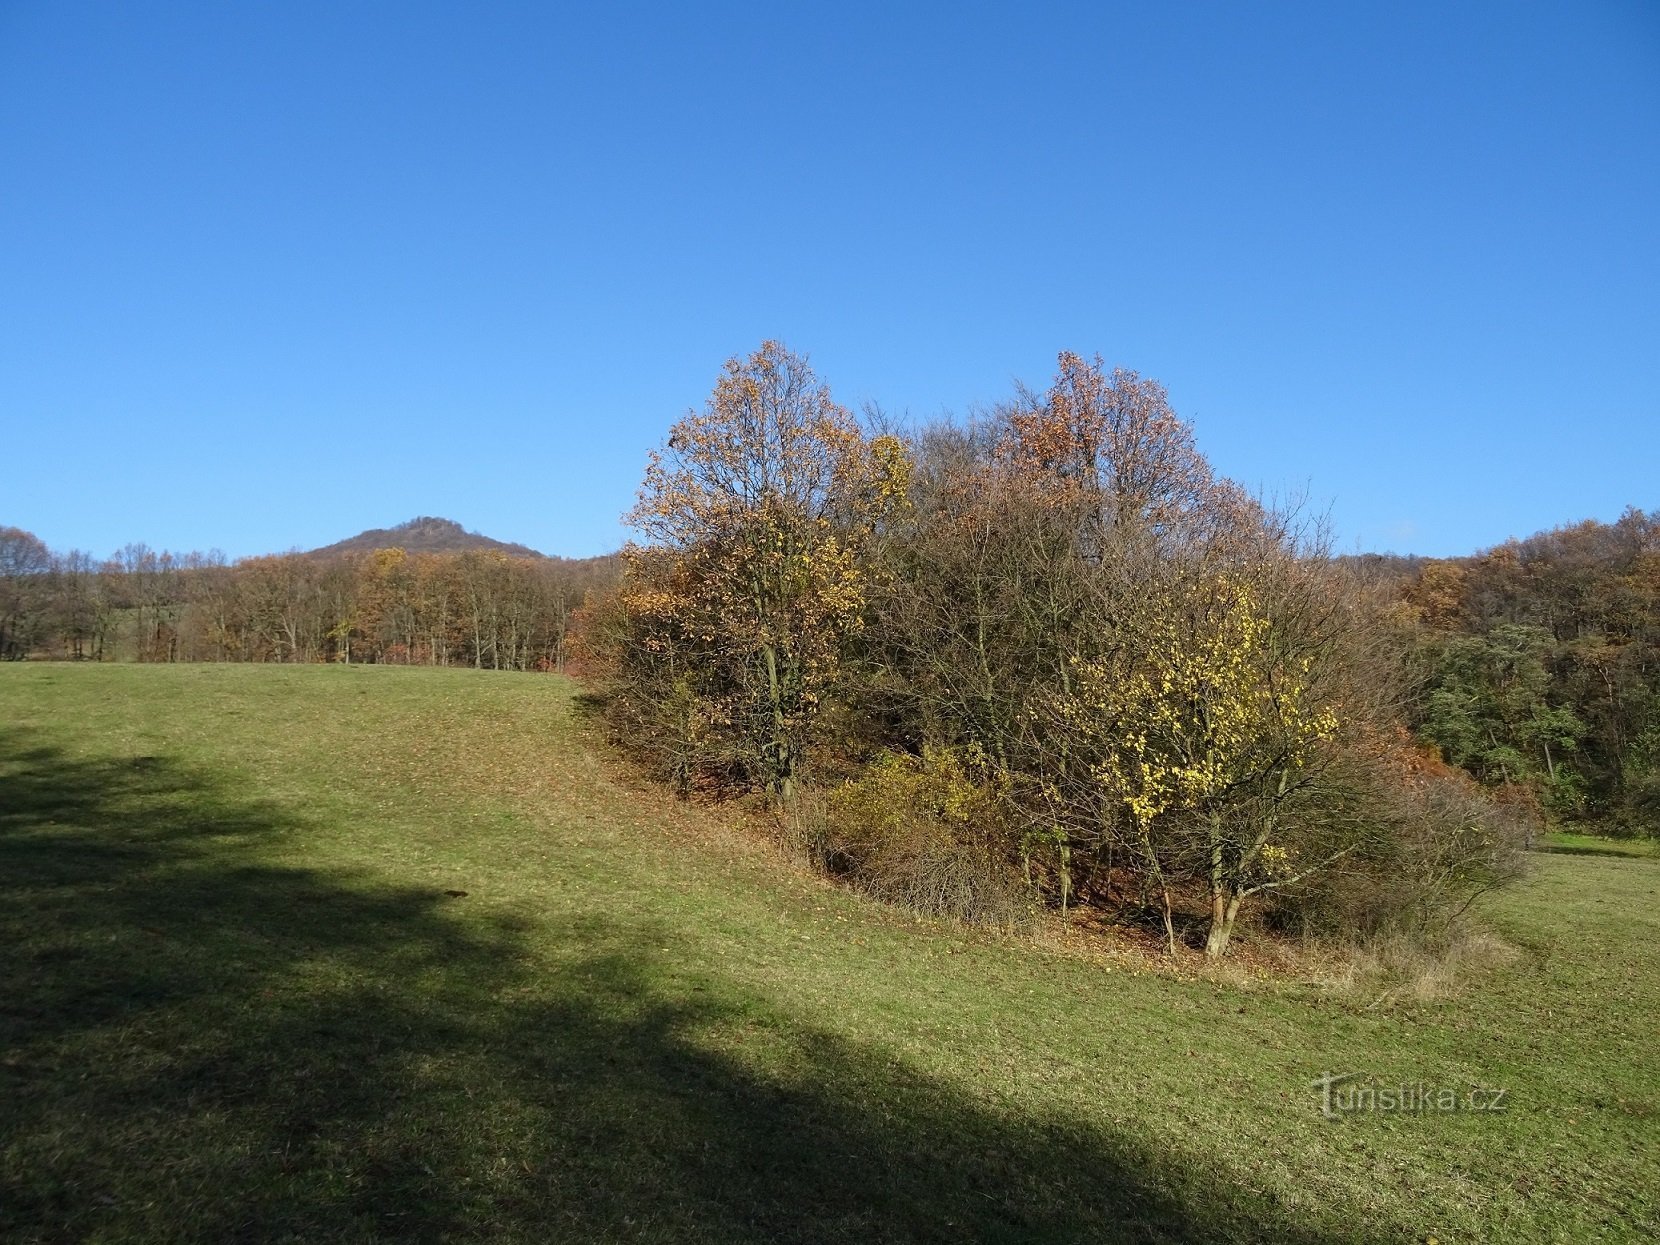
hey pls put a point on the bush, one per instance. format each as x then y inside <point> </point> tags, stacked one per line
<point>926,833</point>
<point>1433,841</point>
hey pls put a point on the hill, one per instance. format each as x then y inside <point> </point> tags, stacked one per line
<point>348,953</point>
<point>424,534</point>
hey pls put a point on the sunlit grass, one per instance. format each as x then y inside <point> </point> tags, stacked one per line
<point>244,997</point>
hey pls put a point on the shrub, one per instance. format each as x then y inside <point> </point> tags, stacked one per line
<point>927,833</point>
<point>1433,840</point>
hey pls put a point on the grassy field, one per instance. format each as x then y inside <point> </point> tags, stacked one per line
<point>351,954</point>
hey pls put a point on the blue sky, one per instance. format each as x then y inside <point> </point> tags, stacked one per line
<point>274,273</point>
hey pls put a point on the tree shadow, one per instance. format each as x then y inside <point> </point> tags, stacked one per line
<point>1619,852</point>
<point>1141,918</point>
<point>201,1044</point>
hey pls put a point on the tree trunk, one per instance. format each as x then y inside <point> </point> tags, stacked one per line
<point>1164,888</point>
<point>1224,908</point>
<point>1221,918</point>
<point>779,752</point>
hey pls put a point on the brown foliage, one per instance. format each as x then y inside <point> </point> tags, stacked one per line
<point>1157,678</point>
<point>753,578</point>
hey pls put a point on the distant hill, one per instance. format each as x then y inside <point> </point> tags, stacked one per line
<point>422,535</point>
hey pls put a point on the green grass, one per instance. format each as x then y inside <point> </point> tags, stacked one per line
<point>236,1002</point>
<point>1574,844</point>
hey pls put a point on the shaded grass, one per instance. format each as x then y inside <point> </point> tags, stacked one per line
<point>1573,844</point>
<point>238,1001</point>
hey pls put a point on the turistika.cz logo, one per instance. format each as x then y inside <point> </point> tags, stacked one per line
<point>1349,1093</point>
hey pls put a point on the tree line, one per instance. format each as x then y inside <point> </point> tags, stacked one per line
<point>1539,667</point>
<point>1045,657</point>
<point>482,609</point>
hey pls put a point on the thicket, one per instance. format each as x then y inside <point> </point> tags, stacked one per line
<point>1045,658</point>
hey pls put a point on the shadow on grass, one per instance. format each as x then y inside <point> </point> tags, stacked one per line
<point>1562,849</point>
<point>196,1045</point>
<point>1615,849</point>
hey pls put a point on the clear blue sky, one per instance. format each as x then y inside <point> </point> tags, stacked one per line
<point>274,273</point>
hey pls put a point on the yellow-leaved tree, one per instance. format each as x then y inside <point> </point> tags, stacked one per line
<point>1213,727</point>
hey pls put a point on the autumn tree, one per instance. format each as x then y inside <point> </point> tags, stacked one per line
<point>1113,438</point>
<point>750,578</point>
<point>279,603</point>
<point>383,606</point>
<point>1205,726</point>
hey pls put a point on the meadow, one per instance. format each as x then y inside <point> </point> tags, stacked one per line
<point>357,953</point>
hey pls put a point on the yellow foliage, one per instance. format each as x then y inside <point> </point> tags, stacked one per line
<point>1208,705</point>
<point>949,786</point>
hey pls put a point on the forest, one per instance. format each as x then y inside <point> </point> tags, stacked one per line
<point>1539,667</point>
<point>1045,657</point>
<point>486,609</point>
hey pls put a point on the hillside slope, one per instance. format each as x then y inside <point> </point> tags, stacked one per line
<point>423,535</point>
<point>325,953</point>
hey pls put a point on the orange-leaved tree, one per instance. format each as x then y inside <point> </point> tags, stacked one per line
<point>1114,439</point>
<point>752,574</point>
